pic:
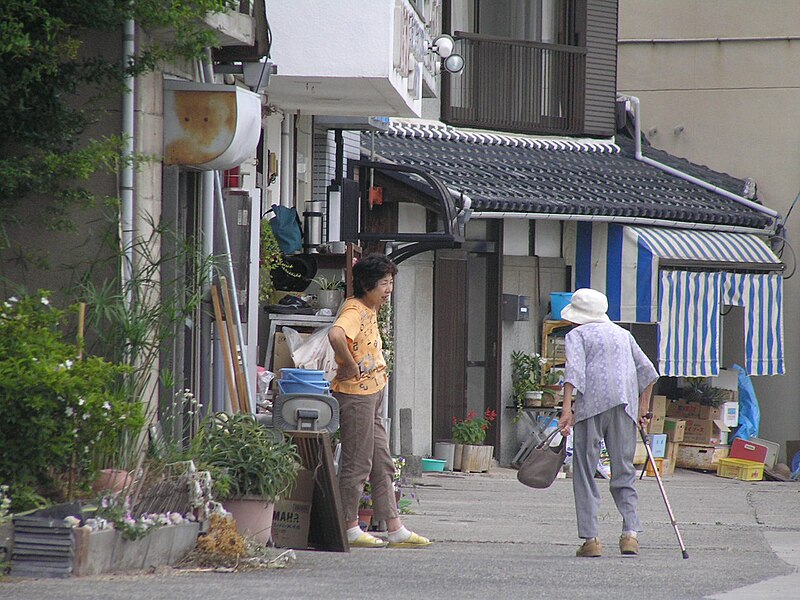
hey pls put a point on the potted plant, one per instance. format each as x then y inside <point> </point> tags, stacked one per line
<point>331,292</point>
<point>526,378</point>
<point>468,434</point>
<point>252,465</point>
<point>552,387</point>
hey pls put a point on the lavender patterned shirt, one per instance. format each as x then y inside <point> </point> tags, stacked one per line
<point>607,368</point>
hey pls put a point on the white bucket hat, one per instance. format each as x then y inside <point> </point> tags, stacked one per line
<point>587,306</point>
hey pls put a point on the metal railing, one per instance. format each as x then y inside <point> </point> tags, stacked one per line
<point>515,85</point>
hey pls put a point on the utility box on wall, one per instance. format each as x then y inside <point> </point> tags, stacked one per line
<point>516,308</point>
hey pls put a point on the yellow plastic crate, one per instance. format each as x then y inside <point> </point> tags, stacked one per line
<point>738,468</point>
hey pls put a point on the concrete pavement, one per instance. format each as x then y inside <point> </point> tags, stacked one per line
<point>497,538</point>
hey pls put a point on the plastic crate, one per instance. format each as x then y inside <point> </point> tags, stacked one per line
<point>738,468</point>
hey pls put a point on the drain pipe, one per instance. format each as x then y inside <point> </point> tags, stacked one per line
<point>287,159</point>
<point>637,139</point>
<point>211,393</point>
<point>126,174</point>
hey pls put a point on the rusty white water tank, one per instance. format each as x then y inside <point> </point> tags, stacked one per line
<point>209,126</point>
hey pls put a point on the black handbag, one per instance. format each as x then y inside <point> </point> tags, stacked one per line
<point>542,465</point>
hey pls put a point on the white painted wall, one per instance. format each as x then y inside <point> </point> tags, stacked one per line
<point>338,57</point>
<point>515,237</point>
<point>734,106</point>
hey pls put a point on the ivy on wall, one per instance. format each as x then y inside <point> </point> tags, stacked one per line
<point>53,87</point>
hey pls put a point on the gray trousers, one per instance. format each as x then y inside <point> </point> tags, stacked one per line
<point>365,455</point>
<point>619,432</point>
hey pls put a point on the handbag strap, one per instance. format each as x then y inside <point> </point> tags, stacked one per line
<point>546,441</point>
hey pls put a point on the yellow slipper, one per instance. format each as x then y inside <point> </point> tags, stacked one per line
<point>366,540</point>
<point>413,541</point>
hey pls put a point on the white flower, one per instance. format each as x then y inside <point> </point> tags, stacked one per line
<point>71,521</point>
<point>106,405</point>
<point>81,401</point>
<point>45,301</point>
<point>86,416</point>
<point>69,411</point>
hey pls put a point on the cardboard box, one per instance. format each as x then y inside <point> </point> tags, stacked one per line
<point>684,409</point>
<point>658,406</point>
<point>658,445</point>
<point>656,425</point>
<point>700,457</point>
<point>711,432</point>
<point>667,467</point>
<point>281,357</point>
<point>292,516</point>
<point>675,429</point>
<point>748,450</point>
<point>671,453</point>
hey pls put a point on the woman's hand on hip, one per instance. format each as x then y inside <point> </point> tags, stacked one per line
<point>349,371</point>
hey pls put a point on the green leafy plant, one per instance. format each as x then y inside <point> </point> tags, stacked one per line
<point>252,459</point>
<point>270,257</point>
<point>472,430</point>
<point>59,409</point>
<point>526,376</point>
<point>334,283</point>
<point>704,393</point>
<point>386,330</point>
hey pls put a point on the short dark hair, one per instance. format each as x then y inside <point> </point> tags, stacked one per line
<point>368,271</point>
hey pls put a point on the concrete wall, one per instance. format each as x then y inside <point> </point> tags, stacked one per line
<point>518,277</point>
<point>734,106</point>
<point>413,372</point>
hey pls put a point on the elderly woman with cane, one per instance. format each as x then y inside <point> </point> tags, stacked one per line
<point>612,380</point>
<point>358,387</point>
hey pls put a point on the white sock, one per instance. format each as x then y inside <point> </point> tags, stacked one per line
<point>353,533</point>
<point>589,539</point>
<point>401,535</point>
<point>630,533</point>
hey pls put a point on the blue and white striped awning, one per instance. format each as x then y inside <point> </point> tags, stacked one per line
<point>681,279</point>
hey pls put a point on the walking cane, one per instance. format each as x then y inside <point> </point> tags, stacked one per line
<point>661,487</point>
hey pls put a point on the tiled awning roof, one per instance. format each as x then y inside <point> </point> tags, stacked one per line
<point>592,178</point>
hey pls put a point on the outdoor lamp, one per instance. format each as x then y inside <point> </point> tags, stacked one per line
<point>453,63</point>
<point>443,46</point>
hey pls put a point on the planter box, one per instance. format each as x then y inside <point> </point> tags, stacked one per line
<point>106,551</point>
<point>476,459</point>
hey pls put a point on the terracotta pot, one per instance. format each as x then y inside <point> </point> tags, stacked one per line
<point>111,480</point>
<point>253,517</point>
<point>533,398</point>
<point>365,516</point>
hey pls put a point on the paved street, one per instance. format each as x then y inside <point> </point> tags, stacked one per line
<point>496,538</point>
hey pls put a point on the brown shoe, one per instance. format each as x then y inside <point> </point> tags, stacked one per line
<point>628,545</point>
<point>590,548</point>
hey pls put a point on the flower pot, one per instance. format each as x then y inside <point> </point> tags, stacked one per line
<point>533,398</point>
<point>365,517</point>
<point>553,397</point>
<point>111,480</point>
<point>253,517</point>
<point>476,459</point>
<point>445,451</point>
<point>330,299</point>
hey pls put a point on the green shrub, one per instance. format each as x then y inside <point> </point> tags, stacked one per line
<point>60,412</point>
<point>253,460</point>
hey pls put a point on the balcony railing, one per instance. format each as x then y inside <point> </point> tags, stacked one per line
<point>515,85</point>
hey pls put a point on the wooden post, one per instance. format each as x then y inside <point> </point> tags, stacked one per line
<point>236,349</point>
<point>226,351</point>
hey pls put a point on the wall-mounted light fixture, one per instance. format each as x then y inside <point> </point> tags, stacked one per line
<point>443,47</point>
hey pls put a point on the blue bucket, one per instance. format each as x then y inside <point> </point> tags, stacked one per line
<point>303,387</point>
<point>558,301</point>
<point>303,374</point>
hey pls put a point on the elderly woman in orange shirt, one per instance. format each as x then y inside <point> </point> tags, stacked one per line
<point>358,387</point>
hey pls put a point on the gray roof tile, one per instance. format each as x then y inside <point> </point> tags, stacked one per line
<point>509,173</point>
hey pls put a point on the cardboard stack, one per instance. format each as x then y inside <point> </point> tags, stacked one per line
<point>702,431</point>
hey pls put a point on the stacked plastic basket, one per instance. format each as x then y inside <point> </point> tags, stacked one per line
<point>303,381</point>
